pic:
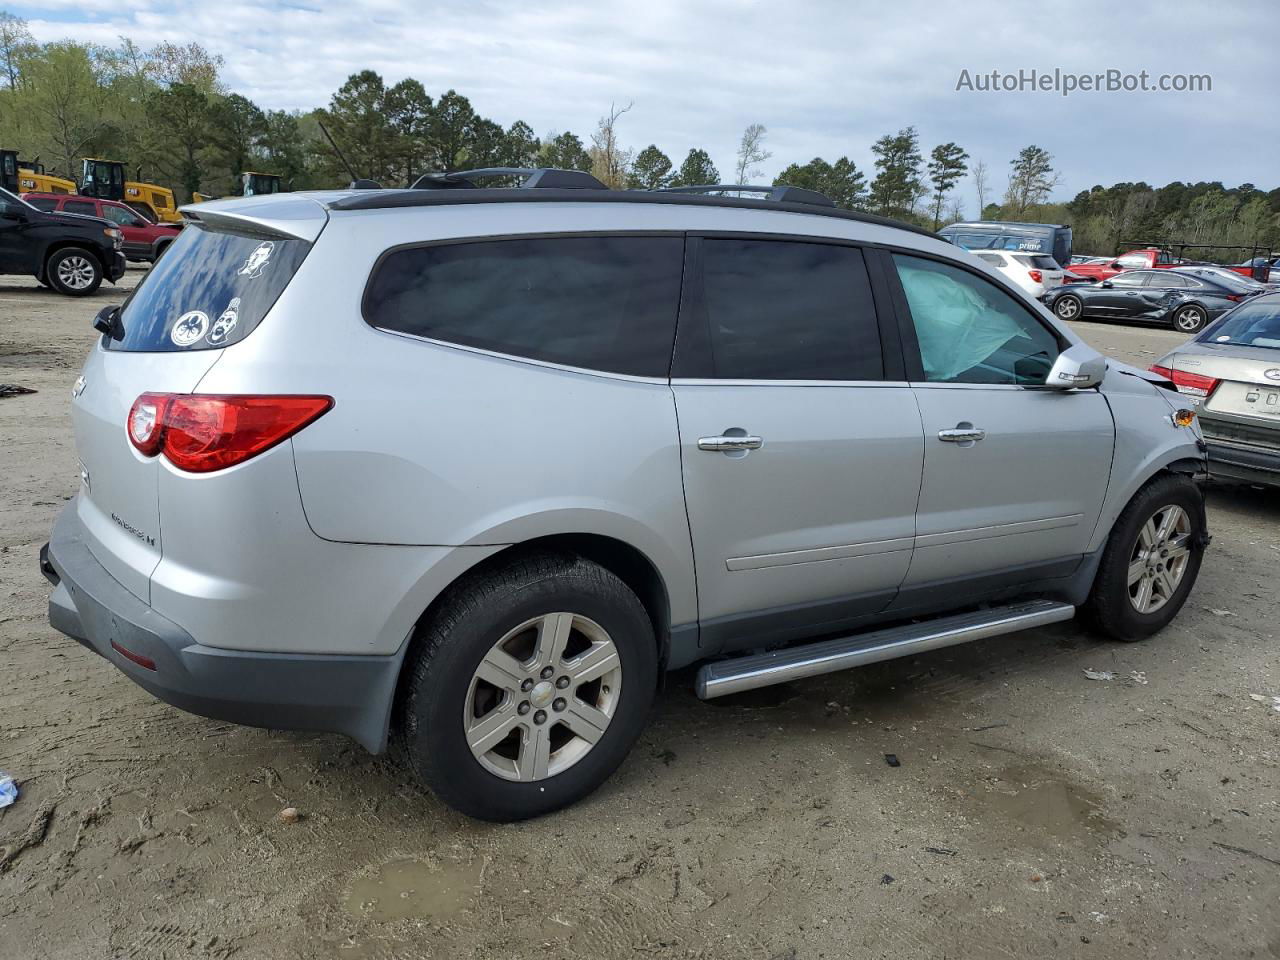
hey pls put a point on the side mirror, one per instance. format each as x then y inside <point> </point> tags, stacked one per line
<point>1106,284</point>
<point>8,212</point>
<point>1077,368</point>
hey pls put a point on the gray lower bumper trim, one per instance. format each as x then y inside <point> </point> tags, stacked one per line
<point>341,694</point>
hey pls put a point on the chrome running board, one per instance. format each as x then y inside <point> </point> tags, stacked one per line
<point>723,677</point>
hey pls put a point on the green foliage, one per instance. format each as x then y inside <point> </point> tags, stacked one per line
<point>1031,181</point>
<point>842,181</point>
<point>651,169</point>
<point>564,151</point>
<point>946,167</point>
<point>898,186</point>
<point>697,170</point>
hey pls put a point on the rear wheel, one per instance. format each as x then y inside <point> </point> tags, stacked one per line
<point>528,688</point>
<point>73,271</point>
<point>1068,307</point>
<point>1189,319</point>
<point>1151,560</point>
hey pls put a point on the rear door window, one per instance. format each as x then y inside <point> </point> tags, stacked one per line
<point>86,208</point>
<point>602,303</point>
<point>209,290</point>
<point>784,310</point>
<point>43,203</point>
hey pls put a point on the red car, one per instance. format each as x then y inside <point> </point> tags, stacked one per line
<point>1146,259</point>
<point>143,240</point>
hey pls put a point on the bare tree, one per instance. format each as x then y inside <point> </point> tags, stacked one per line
<point>610,163</point>
<point>979,173</point>
<point>955,210</point>
<point>750,152</point>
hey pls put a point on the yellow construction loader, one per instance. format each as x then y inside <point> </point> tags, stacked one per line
<point>105,179</point>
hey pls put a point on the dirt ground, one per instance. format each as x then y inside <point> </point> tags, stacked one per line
<point>1036,812</point>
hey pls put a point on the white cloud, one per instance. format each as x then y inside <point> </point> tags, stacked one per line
<point>826,78</point>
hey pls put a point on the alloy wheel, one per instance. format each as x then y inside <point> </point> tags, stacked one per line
<point>1159,559</point>
<point>542,697</point>
<point>1189,319</point>
<point>1068,308</point>
<point>75,273</point>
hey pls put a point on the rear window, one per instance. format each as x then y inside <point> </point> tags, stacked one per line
<point>1037,263</point>
<point>1252,324</point>
<point>209,290</point>
<point>602,303</point>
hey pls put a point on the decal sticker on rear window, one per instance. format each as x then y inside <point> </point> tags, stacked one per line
<point>257,261</point>
<point>189,328</point>
<point>225,323</point>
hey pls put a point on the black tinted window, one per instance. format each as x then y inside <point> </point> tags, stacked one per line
<point>779,310</point>
<point>604,303</point>
<point>43,203</point>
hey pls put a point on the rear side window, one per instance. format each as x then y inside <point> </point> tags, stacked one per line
<point>85,208</point>
<point>783,310</point>
<point>42,203</point>
<point>602,303</point>
<point>209,290</point>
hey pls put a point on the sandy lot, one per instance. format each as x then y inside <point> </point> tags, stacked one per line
<point>1035,813</point>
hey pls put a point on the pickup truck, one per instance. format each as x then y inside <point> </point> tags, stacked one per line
<point>1150,258</point>
<point>70,254</point>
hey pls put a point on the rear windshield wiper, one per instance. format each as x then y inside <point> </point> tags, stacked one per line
<point>108,322</point>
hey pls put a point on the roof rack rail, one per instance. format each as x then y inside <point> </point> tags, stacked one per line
<point>534,177</point>
<point>781,192</point>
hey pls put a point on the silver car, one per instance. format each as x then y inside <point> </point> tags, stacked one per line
<point>1232,372</point>
<point>473,467</point>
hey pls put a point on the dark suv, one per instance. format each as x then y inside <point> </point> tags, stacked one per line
<point>70,253</point>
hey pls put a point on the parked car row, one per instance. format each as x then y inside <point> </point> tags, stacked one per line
<point>144,240</point>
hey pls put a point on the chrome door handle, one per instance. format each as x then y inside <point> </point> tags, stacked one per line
<point>966,434</point>
<point>730,443</point>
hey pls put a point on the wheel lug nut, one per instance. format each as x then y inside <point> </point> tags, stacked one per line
<point>526,686</point>
<point>558,705</point>
<point>546,673</point>
<point>540,717</point>
<point>562,682</point>
<point>523,708</point>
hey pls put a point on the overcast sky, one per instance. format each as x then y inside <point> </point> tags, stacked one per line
<point>825,78</point>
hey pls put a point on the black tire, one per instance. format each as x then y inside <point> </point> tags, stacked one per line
<point>1068,307</point>
<point>1110,606</point>
<point>449,647</point>
<point>1189,318</point>
<point>73,272</point>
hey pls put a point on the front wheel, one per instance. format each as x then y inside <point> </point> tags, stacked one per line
<point>1068,307</point>
<point>73,272</point>
<point>1189,319</point>
<point>1151,560</point>
<point>528,688</point>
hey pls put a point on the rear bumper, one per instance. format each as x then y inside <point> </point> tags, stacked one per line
<point>1233,461</point>
<point>351,695</point>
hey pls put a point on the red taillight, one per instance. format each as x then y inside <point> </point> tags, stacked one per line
<point>1192,384</point>
<point>1036,276</point>
<point>1235,297</point>
<point>201,433</point>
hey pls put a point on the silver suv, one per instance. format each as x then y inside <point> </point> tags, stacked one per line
<point>471,468</point>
